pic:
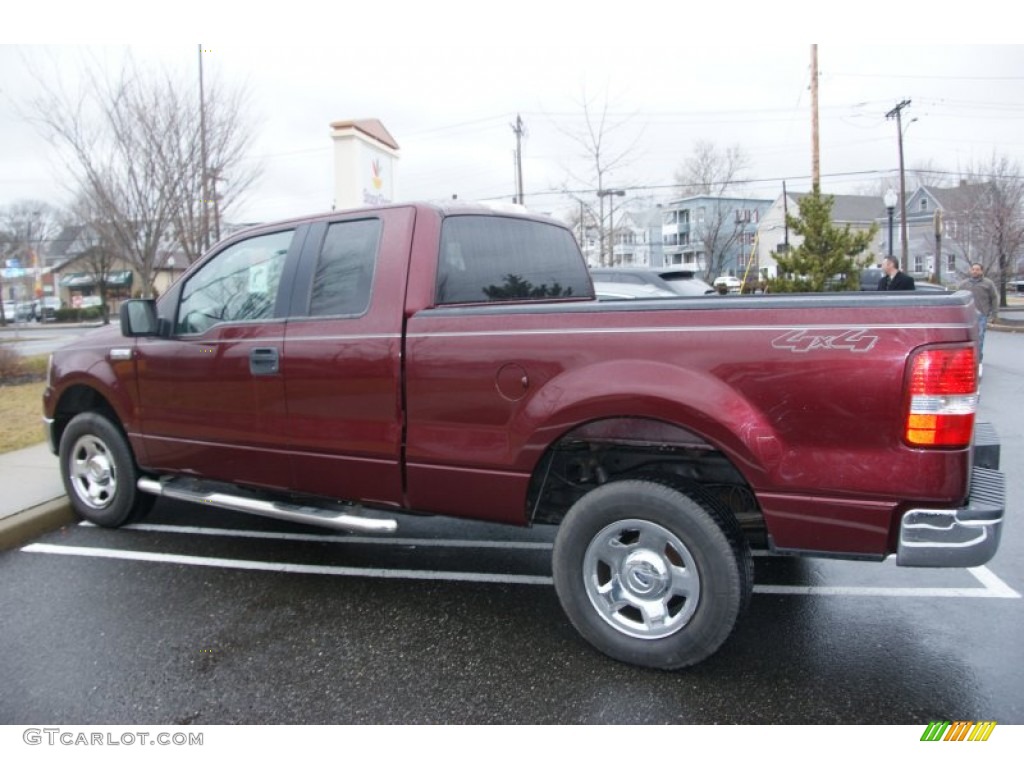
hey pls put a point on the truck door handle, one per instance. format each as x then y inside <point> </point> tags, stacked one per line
<point>264,361</point>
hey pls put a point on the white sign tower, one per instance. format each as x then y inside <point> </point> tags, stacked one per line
<point>365,155</point>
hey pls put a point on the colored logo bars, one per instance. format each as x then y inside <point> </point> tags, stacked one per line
<point>960,730</point>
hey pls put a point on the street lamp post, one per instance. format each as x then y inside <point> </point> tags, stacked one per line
<point>611,219</point>
<point>890,205</point>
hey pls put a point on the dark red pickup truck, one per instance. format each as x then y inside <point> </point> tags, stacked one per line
<point>453,361</point>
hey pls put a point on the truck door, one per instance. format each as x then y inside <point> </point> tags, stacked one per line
<point>342,357</point>
<point>212,394</point>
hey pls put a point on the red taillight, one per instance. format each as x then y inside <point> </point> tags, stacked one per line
<point>943,398</point>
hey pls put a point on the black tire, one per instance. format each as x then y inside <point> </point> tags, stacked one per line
<point>651,572</point>
<point>99,472</point>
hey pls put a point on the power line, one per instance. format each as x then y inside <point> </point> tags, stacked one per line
<point>737,182</point>
<point>893,76</point>
<point>880,173</point>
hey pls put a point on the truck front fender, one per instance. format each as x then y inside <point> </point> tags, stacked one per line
<point>82,380</point>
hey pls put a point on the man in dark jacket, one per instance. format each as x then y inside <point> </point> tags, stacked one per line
<point>894,280</point>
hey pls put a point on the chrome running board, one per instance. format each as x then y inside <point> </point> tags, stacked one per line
<point>185,489</point>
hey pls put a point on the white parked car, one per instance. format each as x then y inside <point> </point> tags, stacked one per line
<point>679,281</point>
<point>733,284</point>
<point>613,291</point>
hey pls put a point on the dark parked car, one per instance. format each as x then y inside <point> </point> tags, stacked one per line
<point>45,309</point>
<point>869,282</point>
<point>24,312</point>
<point>869,278</point>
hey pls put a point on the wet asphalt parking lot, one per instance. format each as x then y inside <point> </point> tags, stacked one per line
<point>199,616</point>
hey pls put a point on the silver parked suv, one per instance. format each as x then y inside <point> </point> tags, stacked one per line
<point>678,281</point>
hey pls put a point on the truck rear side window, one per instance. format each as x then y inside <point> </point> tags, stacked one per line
<point>493,258</point>
<point>344,271</point>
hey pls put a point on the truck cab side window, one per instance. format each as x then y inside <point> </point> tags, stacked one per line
<point>240,283</point>
<point>493,258</point>
<point>344,271</point>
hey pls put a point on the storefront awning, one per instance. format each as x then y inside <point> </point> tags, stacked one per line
<point>79,280</point>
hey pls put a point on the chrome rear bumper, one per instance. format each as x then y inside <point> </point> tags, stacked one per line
<point>956,538</point>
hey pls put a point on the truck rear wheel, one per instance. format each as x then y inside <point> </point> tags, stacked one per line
<point>99,472</point>
<point>651,573</point>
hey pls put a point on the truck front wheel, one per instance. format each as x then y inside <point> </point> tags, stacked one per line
<point>651,573</point>
<point>99,473</point>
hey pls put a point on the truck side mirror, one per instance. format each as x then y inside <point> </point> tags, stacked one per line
<point>138,318</point>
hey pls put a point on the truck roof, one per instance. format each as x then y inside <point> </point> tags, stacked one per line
<point>442,208</point>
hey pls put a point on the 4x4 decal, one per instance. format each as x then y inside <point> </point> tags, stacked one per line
<point>850,340</point>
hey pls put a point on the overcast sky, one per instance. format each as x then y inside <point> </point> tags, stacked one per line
<point>449,97</point>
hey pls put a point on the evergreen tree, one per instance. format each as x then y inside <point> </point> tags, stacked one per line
<point>829,258</point>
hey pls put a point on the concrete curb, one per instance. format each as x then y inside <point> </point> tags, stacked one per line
<point>30,523</point>
<point>1007,327</point>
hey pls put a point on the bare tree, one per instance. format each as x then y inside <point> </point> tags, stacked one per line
<point>711,172</point>
<point>31,225</point>
<point>99,258</point>
<point>984,220</point>
<point>718,232</point>
<point>965,209</point>
<point>926,174</point>
<point>132,145</point>
<point>228,173</point>
<point>583,221</point>
<point>26,229</point>
<point>1001,222</point>
<point>8,245</point>
<point>604,153</point>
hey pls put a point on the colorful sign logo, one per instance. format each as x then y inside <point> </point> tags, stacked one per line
<point>376,180</point>
<point>959,730</point>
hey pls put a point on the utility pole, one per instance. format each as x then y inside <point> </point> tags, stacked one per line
<point>204,219</point>
<point>602,194</point>
<point>583,230</point>
<point>518,130</point>
<point>815,153</point>
<point>215,197</point>
<point>897,113</point>
<point>785,217</point>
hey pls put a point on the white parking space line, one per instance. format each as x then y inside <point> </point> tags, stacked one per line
<point>257,565</point>
<point>993,583</point>
<point>772,589</point>
<point>992,586</point>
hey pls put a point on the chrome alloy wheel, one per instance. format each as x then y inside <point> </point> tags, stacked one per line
<point>93,472</point>
<point>641,579</point>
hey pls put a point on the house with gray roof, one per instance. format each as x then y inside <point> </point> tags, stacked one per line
<point>942,223</point>
<point>947,222</point>
<point>860,212</point>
